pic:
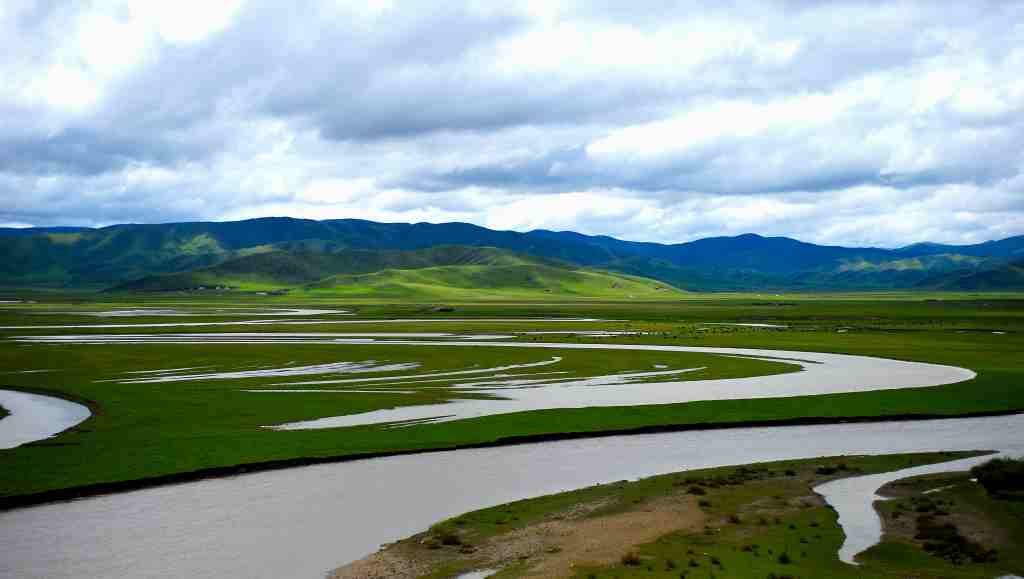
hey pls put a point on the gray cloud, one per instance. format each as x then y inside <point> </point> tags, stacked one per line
<point>647,120</point>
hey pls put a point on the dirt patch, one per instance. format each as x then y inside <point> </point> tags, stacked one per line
<point>550,548</point>
<point>604,540</point>
<point>385,564</point>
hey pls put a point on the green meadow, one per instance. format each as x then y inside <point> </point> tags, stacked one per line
<point>140,431</point>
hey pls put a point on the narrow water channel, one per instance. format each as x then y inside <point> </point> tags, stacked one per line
<point>853,498</point>
<point>35,417</point>
<point>303,522</point>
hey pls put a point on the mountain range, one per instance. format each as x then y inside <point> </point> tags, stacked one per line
<point>280,252</point>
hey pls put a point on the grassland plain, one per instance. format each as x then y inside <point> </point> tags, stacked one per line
<point>153,429</point>
<point>751,521</point>
<point>144,431</point>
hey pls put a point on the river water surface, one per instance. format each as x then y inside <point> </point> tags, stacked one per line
<point>35,417</point>
<point>302,522</point>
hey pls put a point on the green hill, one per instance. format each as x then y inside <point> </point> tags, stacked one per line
<point>83,257</point>
<point>495,282</point>
<point>444,272</point>
<point>1007,277</point>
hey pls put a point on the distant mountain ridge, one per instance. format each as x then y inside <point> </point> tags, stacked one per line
<point>295,264</point>
<point>1004,277</point>
<point>83,257</point>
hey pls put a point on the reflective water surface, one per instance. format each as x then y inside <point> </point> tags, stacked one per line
<point>35,417</point>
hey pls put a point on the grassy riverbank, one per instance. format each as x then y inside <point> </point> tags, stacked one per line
<point>146,430</point>
<point>947,520</point>
<point>751,521</point>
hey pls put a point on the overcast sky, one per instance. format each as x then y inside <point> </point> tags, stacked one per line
<point>834,122</point>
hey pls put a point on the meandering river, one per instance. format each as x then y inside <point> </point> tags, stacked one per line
<point>302,522</point>
<point>821,373</point>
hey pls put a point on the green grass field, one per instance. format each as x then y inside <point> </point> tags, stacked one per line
<point>145,430</point>
<point>142,431</point>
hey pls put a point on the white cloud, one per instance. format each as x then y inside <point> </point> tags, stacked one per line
<point>598,212</point>
<point>184,21</point>
<point>707,123</point>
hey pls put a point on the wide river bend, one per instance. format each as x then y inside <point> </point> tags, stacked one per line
<point>302,522</point>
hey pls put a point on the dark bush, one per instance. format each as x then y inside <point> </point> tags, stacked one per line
<point>1002,477</point>
<point>944,540</point>
<point>631,559</point>
<point>449,538</point>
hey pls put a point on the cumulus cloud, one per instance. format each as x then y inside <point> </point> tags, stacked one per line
<point>834,122</point>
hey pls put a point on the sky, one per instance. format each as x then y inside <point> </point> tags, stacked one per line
<point>854,123</point>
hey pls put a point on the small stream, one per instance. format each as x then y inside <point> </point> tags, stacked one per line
<point>853,499</point>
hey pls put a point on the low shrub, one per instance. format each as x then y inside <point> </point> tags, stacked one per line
<point>631,559</point>
<point>449,539</point>
<point>944,540</point>
<point>1003,478</point>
